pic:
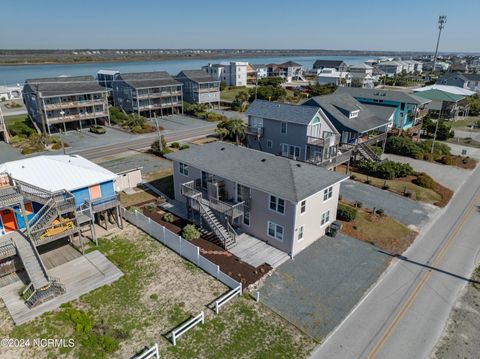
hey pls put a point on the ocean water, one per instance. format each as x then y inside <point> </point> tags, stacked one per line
<point>19,73</point>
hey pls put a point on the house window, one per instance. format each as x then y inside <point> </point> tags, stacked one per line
<point>325,218</point>
<point>327,193</point>
<point>300,233</point>
<point>277,204</point>
<point>269,143</point>
<point>283,128</point>
<point>275,231</point>
<point>303,207</point>
<point>183,169</point>
<point>246,218</point>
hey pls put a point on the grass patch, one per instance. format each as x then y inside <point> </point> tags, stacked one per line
<point>161,180</point>
<point>466,123</point>
<point>465,142</point>
<point>230,92</point>
<point>140,196</point>
<point>380,230</point>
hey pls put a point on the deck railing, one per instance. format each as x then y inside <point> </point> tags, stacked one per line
<point>323,141</point>
<point>77,117</point>
<point>255,131</point>
<point>73,104</point>
<point>104,203</point>
<point>372,139</point>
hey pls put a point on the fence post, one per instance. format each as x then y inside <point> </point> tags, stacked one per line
<point>174,340</point>
<point>198,256</point>
<point>180,245</point>
<point>257,296</point>
<point>218,272</point>
<point>203,318</point>
<point>163,234</point>
<point>157,352</point>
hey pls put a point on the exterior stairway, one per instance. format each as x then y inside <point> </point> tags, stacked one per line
<point>367,153</point>
<point>224,235</point>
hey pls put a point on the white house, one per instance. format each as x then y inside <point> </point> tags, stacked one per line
<point>332,76</point>
<point>232,73</point>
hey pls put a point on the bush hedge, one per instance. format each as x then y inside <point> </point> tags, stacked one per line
<point>346,213</point>
<point>424,180</point>
<point>385,170</point>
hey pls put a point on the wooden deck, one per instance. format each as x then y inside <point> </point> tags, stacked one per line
<point>58,253</point>
<point>256,252</point>
<point>80,276</point>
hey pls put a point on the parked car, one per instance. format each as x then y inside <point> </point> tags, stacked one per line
<point>99,130</point>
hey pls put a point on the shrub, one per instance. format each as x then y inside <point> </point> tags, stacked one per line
<point>439,149</point>
<point>190,232</point>
<point>385,170</point>
<point>358,204</point>
<point>448,160</point>
<point>402,146</point>
<point>380,212</point>
<point>353,176</point>
<point>385,186</point>
<point>424,180</point>
<point>407,194</point>
<point>168,217</point>
<point>368,181</point>
<point>83,323</point>
<point>184,147</point>
<point>56,146</point>
<point>346,213</point>
<point>27,151</point>
<point>214,117</point>
<point>175,145</point>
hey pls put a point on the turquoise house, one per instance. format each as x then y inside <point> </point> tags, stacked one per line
<point>407,106</point>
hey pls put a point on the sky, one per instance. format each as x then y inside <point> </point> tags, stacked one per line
<point>406,25</point>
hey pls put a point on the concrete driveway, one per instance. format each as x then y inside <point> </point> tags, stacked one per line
<point>317,289</point>
<point>413,214</point>
<point>179,122</point>
<point>449,176</point>
<point>468,134</point>
<point>471,151</point>
<point>8,153</point>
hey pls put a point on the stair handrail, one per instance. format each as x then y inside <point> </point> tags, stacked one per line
<point>40,214</point>
<point>212,225</point>
<point>232,232</point>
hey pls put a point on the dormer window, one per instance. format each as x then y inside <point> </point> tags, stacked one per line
<point>353,114</point>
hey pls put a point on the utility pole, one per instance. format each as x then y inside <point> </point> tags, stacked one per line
<point>442,20</point>
<point>436,129</point>
<point>160,146</point>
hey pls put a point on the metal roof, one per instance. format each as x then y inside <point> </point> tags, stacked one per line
<point>439,95</point>
<point>55,173</point>
<point>328,63</point>
<point>282,111</point>
<point>148,79</point>
<point>389,95</point>
<point>276,175</point>
<point>446,88</point>
<point>64,85</point>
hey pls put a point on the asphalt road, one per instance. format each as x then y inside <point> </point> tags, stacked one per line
<point>144,142</point>
<point>404,314</point>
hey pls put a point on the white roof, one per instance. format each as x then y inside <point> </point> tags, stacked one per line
<point>55,173</point>
<point>446,88</point>
<point>108,72</point>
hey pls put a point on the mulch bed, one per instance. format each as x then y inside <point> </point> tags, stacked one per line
<point>231,264</point>
<point>228,262</point>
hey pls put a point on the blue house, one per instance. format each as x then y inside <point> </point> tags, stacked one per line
<point>408,107</point>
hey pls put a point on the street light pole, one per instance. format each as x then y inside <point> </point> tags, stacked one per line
<point>442,20</point>
<point>62,113</point>
<point>160,146</point>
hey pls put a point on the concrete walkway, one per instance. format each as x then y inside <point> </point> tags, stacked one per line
<point>449,176</point>
<point>471,151</point>
<point>256,252</point>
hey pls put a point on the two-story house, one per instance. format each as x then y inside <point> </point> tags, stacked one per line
<point>362,75</point>
<point>148,93</point>
<point>338,65</point>
<point>466,81</point>
<point>232,73</point>
<point>65,102</point>
<point>409,109</point>
<point>232,189</point>
<point>289,71</point>
<point>199,87</point>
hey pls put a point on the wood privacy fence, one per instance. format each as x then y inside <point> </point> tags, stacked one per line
<point>182,247</point>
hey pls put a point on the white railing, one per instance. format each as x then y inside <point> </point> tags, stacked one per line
<point>149,353</point>
<point>176,243</point>
<point>227,297</point>
<point>176,333</point>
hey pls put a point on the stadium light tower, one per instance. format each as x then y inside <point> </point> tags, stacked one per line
<point>442,20</point>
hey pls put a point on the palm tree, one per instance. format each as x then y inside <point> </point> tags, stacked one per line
<point>237,128</point>
<point>222,132</point>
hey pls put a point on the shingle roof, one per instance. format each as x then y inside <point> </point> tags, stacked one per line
<point>64,85</point>
<point>391,95</point>
<point>148,79</point>
<point>290,64</point>
<point>282,111</point>
<point>195,75</point>
<point>472,77</point>
<point>361,66</point>
<point>291,180</point>
<point>328,63</point>
<point>337,108</point>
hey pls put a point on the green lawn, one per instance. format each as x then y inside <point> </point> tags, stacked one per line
<point>230,92</point>
<point>13,122</point>
<point>466,123</point>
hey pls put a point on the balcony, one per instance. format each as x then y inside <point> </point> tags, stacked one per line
<point>157,94</point>
<point>104,203</point>
<point>74,104</point>
<point>77,117</point>
<point>229,209</point>
<point>335,160</point>
<point>254,131</point>
<point>154,106</point>
<point>327,141</point>
<point>371,139</point>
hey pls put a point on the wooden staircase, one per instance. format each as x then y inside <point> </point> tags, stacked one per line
<point>223,234</point>
<point>367,153</point>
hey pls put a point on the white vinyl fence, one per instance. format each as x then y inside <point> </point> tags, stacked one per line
<point>149,353</point>
<point>176,333</point>
<point>182,247</point>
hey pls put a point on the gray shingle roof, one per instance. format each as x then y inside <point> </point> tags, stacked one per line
<point>380,94</point>
<point>148,79</point>
<point>276,175</point>
<point>337,107</point>
<point>64,85</point>
<point>282,111</point>
<point>472,77</point>
<point>290,64</point>
<point>328,63</point>
<point>199,76</point>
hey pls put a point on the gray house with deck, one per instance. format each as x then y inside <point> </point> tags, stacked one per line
<point>199,87</point>
<point>231,190</point>
<point>148,93</point>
